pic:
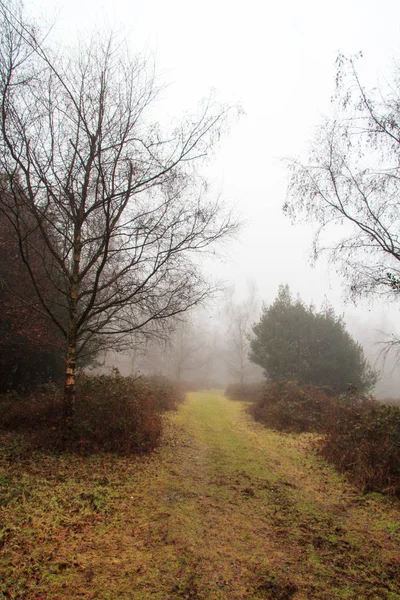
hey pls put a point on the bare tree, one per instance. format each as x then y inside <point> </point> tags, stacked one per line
<point>353,179</point>
<point>171,350</point>
<point>183,352</point>
<point>120,207</point>
<point>241,316</point>
<point>184,349</point>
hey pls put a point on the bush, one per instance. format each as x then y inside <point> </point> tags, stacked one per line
<point>248,392</point>
<point>31,410</point>
<point>116,414</point>
<point>168,394</point>
<point>295,342</point>
<point>288,406</point>
<point>113,414</point>
<point>363,439</point>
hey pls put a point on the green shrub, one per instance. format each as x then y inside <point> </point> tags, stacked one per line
<point>295,342</point>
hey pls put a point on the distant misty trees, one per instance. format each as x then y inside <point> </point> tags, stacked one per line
<point>292,341</point>
<point>240,318</point>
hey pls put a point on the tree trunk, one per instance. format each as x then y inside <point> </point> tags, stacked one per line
<point>69,388</point>
<point>70,359</point>
<point>70,366</point>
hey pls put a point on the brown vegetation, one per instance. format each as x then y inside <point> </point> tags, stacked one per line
<point>363,439</point>
<point>114,414</point>
<point>248,392</point>
<point>289,406</point>
<point>30,345</point>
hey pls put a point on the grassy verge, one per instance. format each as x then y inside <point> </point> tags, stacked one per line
<point>225,509</point>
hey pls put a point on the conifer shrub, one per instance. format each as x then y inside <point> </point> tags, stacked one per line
<point>295,342</point>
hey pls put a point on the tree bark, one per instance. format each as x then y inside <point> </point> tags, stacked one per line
<point>72,338</point>
<point>69,388</point>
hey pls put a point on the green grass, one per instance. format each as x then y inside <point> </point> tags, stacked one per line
<point>225,509</point>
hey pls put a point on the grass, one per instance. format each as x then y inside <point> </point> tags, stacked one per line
<point>225,509</point>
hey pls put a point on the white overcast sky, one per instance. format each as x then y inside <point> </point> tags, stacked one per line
<point>277,59</point>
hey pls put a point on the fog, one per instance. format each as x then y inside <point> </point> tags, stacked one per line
<point>203,349</point>
<point>277,62</point>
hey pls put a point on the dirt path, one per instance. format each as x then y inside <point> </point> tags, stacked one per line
<point>229,510</point>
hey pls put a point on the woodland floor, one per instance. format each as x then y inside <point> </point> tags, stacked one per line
<point>225,509</point>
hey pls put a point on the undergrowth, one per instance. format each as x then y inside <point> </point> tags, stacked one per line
<point>248,392</point>
<point>113,414</point>
<point>363,439</point>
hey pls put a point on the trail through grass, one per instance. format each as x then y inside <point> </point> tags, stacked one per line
<point>224,510</point>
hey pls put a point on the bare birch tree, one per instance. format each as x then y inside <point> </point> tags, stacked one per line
<point>119,206</point>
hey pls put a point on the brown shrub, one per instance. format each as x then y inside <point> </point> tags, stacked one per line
<point>363,439</point>
<point>247,392</point>
<point>168,394</point>
<point>289,406</point>
<point>113,414</point>
<point>32,410</point>
<point>116,414</point>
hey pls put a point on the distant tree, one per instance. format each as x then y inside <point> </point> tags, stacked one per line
<point>241,316</point>
<point>120,207</point>
<point>174,353</point>
<point>294,342</point>
<point>190,352</point>
<point>183,349</point>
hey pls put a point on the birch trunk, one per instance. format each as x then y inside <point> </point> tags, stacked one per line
<point>72,338</point>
